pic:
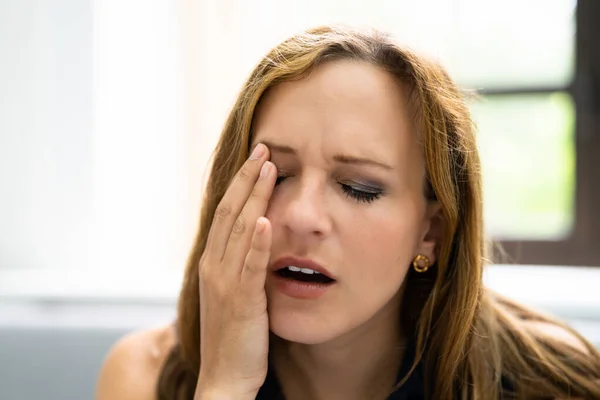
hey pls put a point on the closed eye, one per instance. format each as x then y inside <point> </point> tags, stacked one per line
<point>360,195</point>
<point>279,179</point>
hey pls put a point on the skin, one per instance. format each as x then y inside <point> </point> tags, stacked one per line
<point>334,347</point>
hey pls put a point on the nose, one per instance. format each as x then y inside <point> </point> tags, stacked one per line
<point>304,210</point>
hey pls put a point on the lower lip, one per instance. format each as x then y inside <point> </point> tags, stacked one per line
<point>301,290</point>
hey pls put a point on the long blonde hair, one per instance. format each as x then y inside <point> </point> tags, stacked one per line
<point>467,338</point>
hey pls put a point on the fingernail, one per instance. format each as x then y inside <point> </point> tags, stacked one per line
<point>264,171</point>
<point>259,150</point>
<point>260,224</point>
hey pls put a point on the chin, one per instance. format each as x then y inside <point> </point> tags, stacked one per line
<point>303,326</point>
<point>297,331</point>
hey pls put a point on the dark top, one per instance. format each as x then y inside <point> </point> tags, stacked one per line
<point>412,389</point>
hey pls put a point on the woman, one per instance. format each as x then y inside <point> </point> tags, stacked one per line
<point>343,259</point>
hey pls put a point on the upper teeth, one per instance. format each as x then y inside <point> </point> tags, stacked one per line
<point>304,270</point>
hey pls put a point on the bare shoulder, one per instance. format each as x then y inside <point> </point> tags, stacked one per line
<point>558,333</point>
<point>133,364</point>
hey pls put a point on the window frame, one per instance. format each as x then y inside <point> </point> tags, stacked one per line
<point>582,246</point>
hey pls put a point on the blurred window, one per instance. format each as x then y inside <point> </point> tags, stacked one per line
<point>109,112</point>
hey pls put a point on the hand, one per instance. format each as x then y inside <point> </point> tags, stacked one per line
<point>234,325</point>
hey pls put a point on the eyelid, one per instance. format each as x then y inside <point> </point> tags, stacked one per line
<point>366,184</point>
<point>363,188</point>
<point>281,171</point>
<point>361,183</point>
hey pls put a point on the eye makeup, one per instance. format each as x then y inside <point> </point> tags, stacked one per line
<point>362,193</point>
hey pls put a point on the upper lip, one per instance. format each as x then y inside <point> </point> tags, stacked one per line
<point>283,262</point>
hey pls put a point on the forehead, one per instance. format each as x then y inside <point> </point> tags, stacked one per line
<point>349,105</point>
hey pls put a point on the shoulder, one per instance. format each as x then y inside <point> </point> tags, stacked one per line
<point>133,364</point>
<point>557,333</point>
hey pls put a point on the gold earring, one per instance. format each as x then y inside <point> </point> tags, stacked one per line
<point>421,263</point>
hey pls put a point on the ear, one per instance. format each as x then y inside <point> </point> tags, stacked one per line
<point>432,232</point>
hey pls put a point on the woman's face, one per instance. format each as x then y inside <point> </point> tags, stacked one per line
<point>350,196</point>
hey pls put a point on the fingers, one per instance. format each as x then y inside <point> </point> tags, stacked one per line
<point>241,234</point>
<point>234,199</point>
<point>255,266</point>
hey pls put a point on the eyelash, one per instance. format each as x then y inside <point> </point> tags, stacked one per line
<point>359,195</point>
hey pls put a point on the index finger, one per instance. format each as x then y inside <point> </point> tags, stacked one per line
<point>233,201</point>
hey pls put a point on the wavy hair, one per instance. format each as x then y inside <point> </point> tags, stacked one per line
<point>468,339</point>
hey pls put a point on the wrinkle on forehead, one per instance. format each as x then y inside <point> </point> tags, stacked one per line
<point>343,105</point>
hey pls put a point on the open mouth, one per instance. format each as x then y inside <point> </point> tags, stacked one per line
<point>304,275</point>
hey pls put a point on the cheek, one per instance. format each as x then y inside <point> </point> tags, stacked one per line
<point>382,244</point>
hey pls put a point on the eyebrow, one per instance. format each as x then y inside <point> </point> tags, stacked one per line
<point>340,158</point>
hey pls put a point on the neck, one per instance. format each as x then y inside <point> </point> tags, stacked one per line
<point>361,364</point>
